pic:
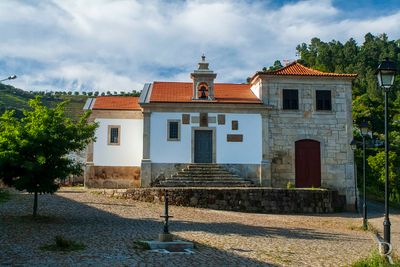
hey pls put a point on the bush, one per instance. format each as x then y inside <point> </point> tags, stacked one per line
<point>290,185</point>
<point>63,244</point>
<point>4,195</point>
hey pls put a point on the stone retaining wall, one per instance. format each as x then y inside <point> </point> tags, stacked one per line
<point>263,200</point>
<point>112,177</point>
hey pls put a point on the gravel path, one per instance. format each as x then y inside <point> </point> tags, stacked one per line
<point>109,227</point>
<point>375,213</point>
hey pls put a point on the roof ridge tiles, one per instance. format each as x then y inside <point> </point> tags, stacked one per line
<point>297,69</point>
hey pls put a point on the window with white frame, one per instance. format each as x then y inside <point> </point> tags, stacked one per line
<point>173,130</point>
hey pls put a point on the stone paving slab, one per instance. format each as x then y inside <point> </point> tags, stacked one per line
<point>109,228</point>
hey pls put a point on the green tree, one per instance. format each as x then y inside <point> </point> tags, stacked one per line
<point>34,150</point>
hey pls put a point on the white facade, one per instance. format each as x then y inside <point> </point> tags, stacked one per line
<point>128,152</point>
<point>249,151</point>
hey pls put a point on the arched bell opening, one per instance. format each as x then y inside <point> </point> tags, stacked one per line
<point>202,91</point>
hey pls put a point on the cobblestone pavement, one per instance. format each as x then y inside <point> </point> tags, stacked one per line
<point>109,227</point>
<point>375,211</point>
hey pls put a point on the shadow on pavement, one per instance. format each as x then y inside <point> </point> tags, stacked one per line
<point>108,237</point>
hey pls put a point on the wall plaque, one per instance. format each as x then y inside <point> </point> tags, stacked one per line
<point>235,125</point>
<point>195,119</point>
<point>212,119</point>
<point>221,119</point>
<point>203,120</point>
<point>185,118</point>
<point>234,138</point>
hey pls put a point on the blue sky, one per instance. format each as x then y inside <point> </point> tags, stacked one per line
<point>120,45</point>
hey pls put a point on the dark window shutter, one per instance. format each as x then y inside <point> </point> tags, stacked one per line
<point>290,99</point>
<point>323,99</point>
<point>173,130</point>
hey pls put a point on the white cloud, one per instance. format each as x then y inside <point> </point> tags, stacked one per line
<point>110,45</point>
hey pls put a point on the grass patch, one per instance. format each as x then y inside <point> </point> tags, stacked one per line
<point>63,244</point>
<point>375,260</point>
<point>140,245</point>
<point>360,227</point>
<point>372,229</point>
<point>4,195</point>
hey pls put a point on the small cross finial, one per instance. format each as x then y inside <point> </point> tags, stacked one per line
<point>203,58</point>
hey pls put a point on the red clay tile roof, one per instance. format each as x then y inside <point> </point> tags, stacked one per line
<point>297,69</point>
<point>117,102</point>
<point>181,92</point>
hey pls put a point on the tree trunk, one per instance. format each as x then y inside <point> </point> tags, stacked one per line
<point>35,200</point>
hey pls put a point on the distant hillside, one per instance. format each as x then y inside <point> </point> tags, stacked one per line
<point>17,99</point>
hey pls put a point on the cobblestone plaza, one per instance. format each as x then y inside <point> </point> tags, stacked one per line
<point>109,228</point>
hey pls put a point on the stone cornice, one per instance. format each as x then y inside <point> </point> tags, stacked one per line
<point>209,107</point>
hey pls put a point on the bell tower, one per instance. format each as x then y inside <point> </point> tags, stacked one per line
<point>203,81</point>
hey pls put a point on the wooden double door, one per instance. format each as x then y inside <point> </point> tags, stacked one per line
<point>308,163</point>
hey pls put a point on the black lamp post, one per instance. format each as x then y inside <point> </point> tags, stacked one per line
<point>9,78</point>
<point>385,73</point>
<point>363,125</point>
<point>353,146</point>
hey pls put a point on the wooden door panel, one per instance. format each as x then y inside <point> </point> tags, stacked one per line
<point>308,163</point>
<point>203,146</point>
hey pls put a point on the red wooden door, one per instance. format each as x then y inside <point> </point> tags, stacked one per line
<point>308,163</point>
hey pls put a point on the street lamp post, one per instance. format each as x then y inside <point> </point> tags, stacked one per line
<point>9,78</point>
<point>353,146</point>
<point>363,125</point>
<point>385,73</point>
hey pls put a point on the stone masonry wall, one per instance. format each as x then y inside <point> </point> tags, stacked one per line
<point>263,200</point>
<point>333,129</point>
<point>112,177</point>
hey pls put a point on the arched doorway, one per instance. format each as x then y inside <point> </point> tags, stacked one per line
<point>308,163</point>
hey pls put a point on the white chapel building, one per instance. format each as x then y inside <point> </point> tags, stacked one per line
<point>289,125</point>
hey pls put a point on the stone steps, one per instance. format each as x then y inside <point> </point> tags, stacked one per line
<point>204,179</point>
<point>216,175</point>
<point>174,183</point>
<point>204,175</point>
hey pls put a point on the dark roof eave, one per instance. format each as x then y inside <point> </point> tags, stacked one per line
<point>125,109</point>
<point>259,105</point>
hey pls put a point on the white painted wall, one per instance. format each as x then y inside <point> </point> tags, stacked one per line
<point>256,88</point>
<point>246,152</point>
<point>250,150</point>
<point>164,151</point>
<point>128,153</point>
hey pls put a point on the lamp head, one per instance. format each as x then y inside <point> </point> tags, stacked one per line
<point>353,144</point>
<point>363,125</point>
<point>385,73</point>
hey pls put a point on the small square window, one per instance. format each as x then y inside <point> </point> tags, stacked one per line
<point>114,135</point>
<point>173,130</point>
<point>290,99</point>
<point>323,99</point>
